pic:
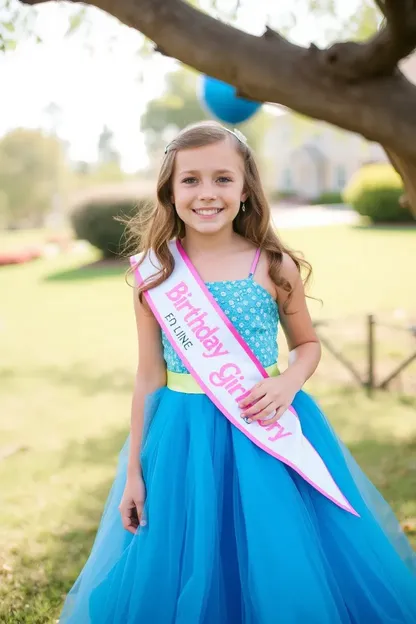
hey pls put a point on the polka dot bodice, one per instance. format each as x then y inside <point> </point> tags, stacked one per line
<point>253,312</point>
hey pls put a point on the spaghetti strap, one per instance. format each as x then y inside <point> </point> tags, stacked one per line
<point>254,263</point>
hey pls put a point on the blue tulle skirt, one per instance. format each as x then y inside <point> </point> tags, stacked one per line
<point>234,536</point>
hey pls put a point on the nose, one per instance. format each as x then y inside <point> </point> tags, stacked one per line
<point>207,192</point>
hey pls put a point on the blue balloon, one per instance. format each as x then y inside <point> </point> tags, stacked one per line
<point>221,101</point>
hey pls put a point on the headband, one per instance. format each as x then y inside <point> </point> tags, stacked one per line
<point>236,133</point>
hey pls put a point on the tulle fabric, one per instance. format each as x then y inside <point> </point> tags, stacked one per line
<point>236,537</point>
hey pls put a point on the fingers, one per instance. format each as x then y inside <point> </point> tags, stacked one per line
<point>256,393</point>
<point>140,514</point>
<point>128,519</point>
<point>132,516</point>
<point>277,415</point>
<point>264,414</point>
<point>263,405</point>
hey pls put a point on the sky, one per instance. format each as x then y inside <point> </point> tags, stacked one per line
<point>96,75</point>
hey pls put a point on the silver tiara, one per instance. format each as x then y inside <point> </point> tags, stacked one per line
<point>238,135</point>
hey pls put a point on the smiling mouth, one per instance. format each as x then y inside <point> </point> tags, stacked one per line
<point>206,212</point>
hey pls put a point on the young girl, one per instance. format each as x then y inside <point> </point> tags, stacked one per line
<point>207,523</point>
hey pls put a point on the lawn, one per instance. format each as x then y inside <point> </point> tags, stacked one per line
<point>68,358</point>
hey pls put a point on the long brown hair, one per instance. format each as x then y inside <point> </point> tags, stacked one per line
<point>156,227</point>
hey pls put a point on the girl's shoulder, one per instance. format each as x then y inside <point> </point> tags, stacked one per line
<point>274,283</point>
<point>288,268</point>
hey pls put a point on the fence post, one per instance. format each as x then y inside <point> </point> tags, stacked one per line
<point>370,354</point>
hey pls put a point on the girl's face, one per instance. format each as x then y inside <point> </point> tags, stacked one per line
<point>208,186</point>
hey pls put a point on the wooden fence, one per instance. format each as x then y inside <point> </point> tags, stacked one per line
<point>368,379</point>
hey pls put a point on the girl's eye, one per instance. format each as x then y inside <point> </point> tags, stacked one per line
<point>192,180</point>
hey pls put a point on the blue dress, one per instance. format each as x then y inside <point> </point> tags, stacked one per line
<point>234,536</point>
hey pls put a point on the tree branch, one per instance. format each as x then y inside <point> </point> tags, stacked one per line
<point>379,55</point>
<point>271,69</point>
<point>353,86</point>
<point>395,11</point>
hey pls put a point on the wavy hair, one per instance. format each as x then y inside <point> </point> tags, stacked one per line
<point>154,227</point>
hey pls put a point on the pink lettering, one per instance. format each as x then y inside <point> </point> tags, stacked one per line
<point>223,376</point>
<point>276,425</point>
<point>184,304</point>
<point>177,291</point>
<point>279,435</point>
<point>194,311</point>
<point>205,332</point>
<point>198,322</point>
<point>194,318</point>
<point>228,375</point>
<point>230,385</point>
<point>241,396</point>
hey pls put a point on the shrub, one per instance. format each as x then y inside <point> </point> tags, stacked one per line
<point>329,197</point>
<point>95,221</point>
<point>276,195</point>
<point>374,191</point>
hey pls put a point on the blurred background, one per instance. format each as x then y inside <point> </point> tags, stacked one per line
<point>87,107</point>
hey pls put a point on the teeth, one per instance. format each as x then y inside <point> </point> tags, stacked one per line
<point>208,211</point>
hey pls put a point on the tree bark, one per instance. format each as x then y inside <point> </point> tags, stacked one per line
<point>406,168</point>
<point>355,86</point>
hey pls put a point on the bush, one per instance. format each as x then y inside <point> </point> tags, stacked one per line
<point>95,222</point>
<point>276,195</point>
<point>329,197</point>
<point>374,191</point>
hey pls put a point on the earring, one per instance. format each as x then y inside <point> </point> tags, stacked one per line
<point>243,206</point>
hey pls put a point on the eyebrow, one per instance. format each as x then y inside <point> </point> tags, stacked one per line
<point>194,171</point>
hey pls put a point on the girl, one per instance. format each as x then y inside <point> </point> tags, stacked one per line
<point>206,523</point>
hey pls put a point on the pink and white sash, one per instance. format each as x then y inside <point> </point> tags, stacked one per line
<point>224,366</point>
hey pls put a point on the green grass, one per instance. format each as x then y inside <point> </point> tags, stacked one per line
<point>68,358</point>
<point>358,270</point>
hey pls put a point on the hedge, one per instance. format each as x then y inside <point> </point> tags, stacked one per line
<point>95,222</point>
<point>374,191</point>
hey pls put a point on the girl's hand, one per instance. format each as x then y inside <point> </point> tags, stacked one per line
<point>271,394</point>
<point>132,502</point>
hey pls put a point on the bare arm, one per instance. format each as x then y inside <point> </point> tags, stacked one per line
<point>150,375</point>
<point>303,343</point>
<point>276,394</point>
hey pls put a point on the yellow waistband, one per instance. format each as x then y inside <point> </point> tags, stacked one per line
<point>184,382</point>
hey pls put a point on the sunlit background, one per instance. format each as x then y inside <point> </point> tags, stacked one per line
<point>87,108</point>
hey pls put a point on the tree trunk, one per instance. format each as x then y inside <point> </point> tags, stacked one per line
<point>406,168</point>
<point>355,86</point>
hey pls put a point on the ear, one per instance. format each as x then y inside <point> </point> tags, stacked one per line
<point>244,196</point>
